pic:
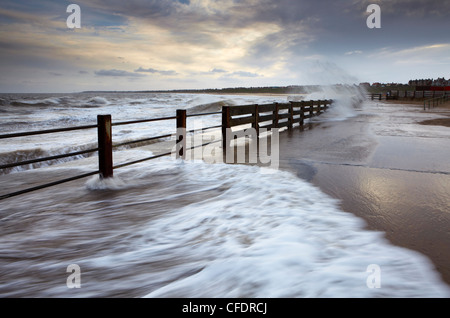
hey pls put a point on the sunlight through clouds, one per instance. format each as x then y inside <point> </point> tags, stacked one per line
<point>184,40</point>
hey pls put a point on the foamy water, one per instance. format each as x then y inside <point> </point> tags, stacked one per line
<point>21,113</point>
<point>168,228</point>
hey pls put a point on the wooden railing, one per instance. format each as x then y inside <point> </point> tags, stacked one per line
<point>433,102</point>
<point>260,117</point>
<point>412,95</point>
<point>268,116</point>
<point>105,148</point>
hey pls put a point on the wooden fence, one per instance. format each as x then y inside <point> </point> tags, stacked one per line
<point>268,116</point>
<point>398,94</point>
<point>436,101</point>
<point>260,117</point>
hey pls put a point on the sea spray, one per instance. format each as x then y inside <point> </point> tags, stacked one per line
<point>98,183</point>
<point>194,229</point>
<point>346,101</point>
<point>337,84</point>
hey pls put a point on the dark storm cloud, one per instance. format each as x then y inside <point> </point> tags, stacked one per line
<point>148,9</point>
<point>410,8</point>
<point>299,22</point>
<point>333,25</point>
<point>246,41</point>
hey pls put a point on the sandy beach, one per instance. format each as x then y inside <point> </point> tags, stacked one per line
<point>387,167</point>
<point>387,164</point>
<point>163,223</point>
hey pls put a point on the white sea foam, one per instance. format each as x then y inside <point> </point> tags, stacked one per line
<point>346,101</point>
<point>249,234</point>
<point>62,111</point>
<point>273,236</point>
<point>97,183</point>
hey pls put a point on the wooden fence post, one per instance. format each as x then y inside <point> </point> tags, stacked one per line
<point>181,134</point>
<point>255,123</point>
<point>226,124</point>
<point>105,157</point>
<point>291,116</point>
<point>302,113</point>
<point>275,116</point>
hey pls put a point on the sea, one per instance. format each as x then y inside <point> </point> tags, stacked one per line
<point>179,228</point>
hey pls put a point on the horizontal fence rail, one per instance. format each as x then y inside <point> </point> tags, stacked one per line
<point>105,147</point>
<point>43,132</point>
<point>268,117</point>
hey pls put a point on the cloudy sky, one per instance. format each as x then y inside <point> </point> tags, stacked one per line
<point>173,44</point>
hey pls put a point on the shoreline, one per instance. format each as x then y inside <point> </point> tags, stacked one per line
<point>397,184</point>
<point>394,179</point>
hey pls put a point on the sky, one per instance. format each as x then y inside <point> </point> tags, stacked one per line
<point>195,44</point>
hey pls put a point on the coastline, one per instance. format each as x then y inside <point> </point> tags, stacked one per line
<point>397,183</point>
<point>371,162</point>
<point>386,167</point>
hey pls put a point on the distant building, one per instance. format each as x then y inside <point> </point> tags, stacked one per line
<point>429,84</point>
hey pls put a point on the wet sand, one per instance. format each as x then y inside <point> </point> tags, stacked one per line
<point>382,164</point>
<point>386,167</point>
<point>389,165</point>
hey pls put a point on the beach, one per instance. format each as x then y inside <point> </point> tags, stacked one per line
<point>386,167</point>
<point>357,187</point>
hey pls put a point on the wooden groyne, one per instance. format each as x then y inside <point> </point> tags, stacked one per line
<point>234,119</point>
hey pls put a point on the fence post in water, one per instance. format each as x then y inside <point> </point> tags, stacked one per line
<point>291,116</point>
<point>226,124</point>
<point>302,113</point>
<point>181,134</point>
<point>255,123</point>
<point>105,157</point>
<point>275,116</point>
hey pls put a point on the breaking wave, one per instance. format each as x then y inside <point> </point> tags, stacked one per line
<point>210,107</point>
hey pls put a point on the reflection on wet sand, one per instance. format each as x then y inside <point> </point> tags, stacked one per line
<point>386,169</point>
